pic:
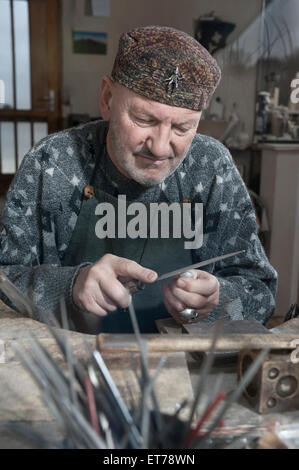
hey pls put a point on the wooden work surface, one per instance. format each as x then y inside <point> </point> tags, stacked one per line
<point>240,417</point>
<point>20,399</point>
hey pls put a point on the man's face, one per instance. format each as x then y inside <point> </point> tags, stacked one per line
<point>147,140</point>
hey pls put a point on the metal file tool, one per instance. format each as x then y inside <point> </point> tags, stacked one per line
<point>197,265</point>
<point>135,285</point>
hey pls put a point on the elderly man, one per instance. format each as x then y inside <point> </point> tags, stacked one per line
<point>145,151</point>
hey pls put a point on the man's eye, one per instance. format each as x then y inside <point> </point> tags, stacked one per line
<point>182,130</point>
<point>142,120</point>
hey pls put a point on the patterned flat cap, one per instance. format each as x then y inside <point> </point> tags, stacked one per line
<point>166,65</point>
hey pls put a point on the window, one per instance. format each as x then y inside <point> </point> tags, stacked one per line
<point>29,77</point>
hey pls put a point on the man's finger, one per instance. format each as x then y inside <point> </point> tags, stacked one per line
<point>205,284</point>
<point>173,304</point>
<point>128,268</point>
<point>190,300</point>
<point>94,300</point>
<point>178,296</point>
<point>116,291</point>
<point>104,301</point>
<point>92,306</point>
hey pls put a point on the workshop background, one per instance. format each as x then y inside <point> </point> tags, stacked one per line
<point>53,54</point>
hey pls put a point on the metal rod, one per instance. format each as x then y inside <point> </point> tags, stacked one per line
<point>206,367</point>
<point>20,300</point>
<point>250,373</point>
<point>144,363</point>
<point>115,393</point>
<point>198,265</point>
<point>69,355</point>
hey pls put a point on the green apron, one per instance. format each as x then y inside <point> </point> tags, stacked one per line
<point>160,254</point>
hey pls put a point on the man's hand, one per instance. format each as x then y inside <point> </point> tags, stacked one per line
<point>201,293</point>
<point>98,287</point>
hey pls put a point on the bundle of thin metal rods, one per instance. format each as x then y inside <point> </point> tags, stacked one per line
<point>91,413</point>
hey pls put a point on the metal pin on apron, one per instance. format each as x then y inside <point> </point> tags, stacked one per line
<point>188,314</point>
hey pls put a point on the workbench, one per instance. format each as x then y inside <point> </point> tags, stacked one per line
<point>20,399</point>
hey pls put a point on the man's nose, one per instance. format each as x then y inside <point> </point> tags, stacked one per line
<point>159,141</point>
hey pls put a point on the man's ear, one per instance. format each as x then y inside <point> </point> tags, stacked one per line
<point>106,92</point>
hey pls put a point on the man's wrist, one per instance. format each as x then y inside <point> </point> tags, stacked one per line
<point>74,309</point>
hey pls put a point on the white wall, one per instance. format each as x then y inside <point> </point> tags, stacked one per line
<point>82,73</point>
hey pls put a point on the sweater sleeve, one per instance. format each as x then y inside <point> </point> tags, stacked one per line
<point>248,282</point>
<point>29,246</point>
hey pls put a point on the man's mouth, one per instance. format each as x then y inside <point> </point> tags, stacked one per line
<point>153,160</point>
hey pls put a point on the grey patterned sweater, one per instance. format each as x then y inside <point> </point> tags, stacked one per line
<point>44,201</point>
